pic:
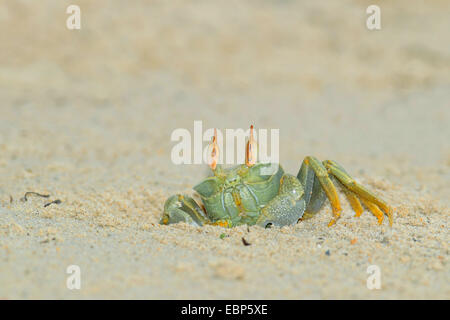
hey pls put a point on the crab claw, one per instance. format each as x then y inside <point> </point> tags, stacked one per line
<point>287,207</point>
<point>181,208</point>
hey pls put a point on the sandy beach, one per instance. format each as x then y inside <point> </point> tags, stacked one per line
<point>86,118</point>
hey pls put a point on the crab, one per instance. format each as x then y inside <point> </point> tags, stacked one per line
<point>262,194</point>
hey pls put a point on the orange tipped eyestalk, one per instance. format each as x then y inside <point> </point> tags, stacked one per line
<point>213,152</point>
<point>252,150</point>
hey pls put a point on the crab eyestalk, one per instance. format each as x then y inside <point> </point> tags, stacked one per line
<point>251,152</point>
<point>213,152</point>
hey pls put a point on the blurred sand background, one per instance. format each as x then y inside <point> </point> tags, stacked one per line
<point>86,117</point>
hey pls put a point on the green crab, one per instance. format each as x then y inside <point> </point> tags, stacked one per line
<point>263,194</point>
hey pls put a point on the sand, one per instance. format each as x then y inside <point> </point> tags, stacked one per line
<point>86,117</point>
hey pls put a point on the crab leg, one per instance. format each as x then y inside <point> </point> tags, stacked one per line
<point>314,194</point>
<point>354,202</point>
<point>351,197</point>
<point>369,198</point>
<point>374,209</point>
<point>327,185</point>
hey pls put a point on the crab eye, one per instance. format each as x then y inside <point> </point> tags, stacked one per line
<point>252,150</point>
<point>213,152</point>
